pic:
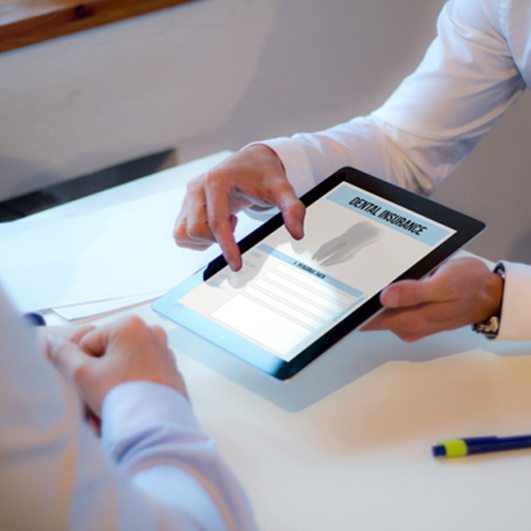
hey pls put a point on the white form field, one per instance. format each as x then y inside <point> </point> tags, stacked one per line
<point>283,307</point>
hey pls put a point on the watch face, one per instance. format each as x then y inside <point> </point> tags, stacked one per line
<point>488,328</point>
<point>500,270</point>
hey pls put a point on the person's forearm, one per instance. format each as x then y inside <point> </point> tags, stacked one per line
<point>362,143</point>
<point>151,432</point>
<point>434,118</point>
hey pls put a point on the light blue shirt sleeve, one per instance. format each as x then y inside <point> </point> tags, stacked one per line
<point>475,69</point>
<point>153,468</point>
<point>477,66</point>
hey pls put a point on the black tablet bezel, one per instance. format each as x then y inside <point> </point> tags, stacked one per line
<point>465,228</point>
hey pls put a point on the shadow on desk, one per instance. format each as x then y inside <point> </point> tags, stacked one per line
<point>351,358</point>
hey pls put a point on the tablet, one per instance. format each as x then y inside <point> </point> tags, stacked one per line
<point>292,300</point>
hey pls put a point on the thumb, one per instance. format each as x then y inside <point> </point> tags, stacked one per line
<point>66,356</point>
<point>413,292</point>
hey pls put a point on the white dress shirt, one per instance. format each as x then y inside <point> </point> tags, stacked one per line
<point>153,468</point>
<point>477,66</point>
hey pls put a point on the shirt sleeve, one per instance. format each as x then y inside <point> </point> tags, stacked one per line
<point>153,469</point>
<point>515,322</point>
<point>465,82</point>
<point>151,432</point>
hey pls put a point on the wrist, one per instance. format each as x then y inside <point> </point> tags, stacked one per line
<point>268,153</point>
<point>134,407</point>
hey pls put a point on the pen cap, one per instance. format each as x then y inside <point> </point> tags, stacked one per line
<point>450,448</point>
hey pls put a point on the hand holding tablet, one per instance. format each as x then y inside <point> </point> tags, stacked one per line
<point>292,300</point>
<point>460,292</point>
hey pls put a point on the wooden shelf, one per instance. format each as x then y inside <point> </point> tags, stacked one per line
<point>25,22</point>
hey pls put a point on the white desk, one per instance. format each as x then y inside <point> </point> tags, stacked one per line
<point>347,443</point>
<point>357,456</point>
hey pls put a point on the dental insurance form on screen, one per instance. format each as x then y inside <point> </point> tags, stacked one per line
<point>288,293</point>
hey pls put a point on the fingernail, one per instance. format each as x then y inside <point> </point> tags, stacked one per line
<point>234,264</point>
<point>390,299</point>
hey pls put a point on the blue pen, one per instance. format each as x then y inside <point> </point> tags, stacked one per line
<point>480,445</point>
<point>34,318</point>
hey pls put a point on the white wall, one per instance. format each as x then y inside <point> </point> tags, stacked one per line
<point>216,74</point>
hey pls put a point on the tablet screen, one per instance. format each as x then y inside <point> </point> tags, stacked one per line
<point>289,294</point>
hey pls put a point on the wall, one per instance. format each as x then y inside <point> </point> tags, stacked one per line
<point>214,74</point>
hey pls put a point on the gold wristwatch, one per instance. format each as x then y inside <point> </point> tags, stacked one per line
<point>491,326</point>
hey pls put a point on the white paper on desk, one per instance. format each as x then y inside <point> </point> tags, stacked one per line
<point>91,309</point>
<point>119,251</point>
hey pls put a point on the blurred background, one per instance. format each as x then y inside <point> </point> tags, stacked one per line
<point>122,100</point>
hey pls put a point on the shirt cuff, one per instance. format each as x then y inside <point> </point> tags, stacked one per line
<point>515,322</point>
<point>135,407</point>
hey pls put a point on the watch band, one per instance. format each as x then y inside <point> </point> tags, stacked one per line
<point>491,326</point>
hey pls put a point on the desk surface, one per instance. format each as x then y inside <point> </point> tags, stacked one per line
<point>346,444</point>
